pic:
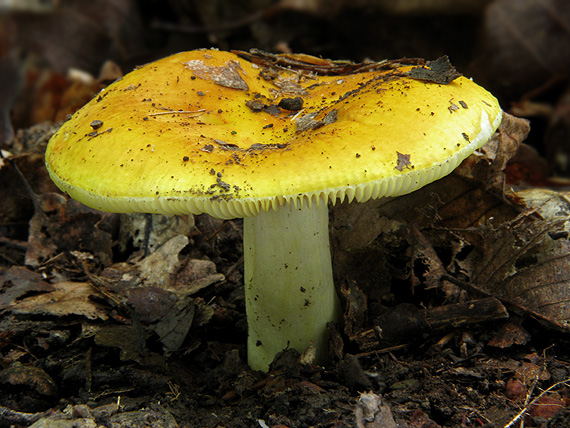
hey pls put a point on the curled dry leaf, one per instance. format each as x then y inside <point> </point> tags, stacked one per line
<point>450,203</point>
<point>521,260</point>
<point>164,268</point>
<point>487,165</point>
<point>158,268</point>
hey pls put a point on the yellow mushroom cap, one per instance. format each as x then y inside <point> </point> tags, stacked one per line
<point>208,131</point>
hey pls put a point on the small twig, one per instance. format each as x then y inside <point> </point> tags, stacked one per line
<point>194,112</point>
<point>220,229</point>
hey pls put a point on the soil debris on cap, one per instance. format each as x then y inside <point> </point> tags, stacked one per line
<point>291,104</point>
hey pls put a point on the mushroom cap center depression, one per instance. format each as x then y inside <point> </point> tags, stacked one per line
<point>208,131</point>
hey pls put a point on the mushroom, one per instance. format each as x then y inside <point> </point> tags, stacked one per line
<point>272,139</point>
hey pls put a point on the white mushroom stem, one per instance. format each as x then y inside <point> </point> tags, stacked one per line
<point>289,289</point>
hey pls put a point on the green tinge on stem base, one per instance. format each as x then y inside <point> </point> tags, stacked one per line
<point>289,289</point>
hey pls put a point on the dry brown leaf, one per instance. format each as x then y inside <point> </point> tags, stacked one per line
<point>526,263</point>
<point>526,371</point>
<point>174,326</point>
<point>68,298</point>
<point>522,261</point>
<point>18,281</point>
<point>65,225</point>
<point>510,333</point>
<point>548,406</point>
<point>29,377</point>
<point>150,303</point>
<point>124,338</point>
<point>164,270</point>
<point>487,165</point>
<point>450,203</point>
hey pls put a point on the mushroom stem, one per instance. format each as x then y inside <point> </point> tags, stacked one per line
<point>289,289</point>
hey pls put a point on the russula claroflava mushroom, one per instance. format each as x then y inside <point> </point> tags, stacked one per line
<point>273,139</point>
